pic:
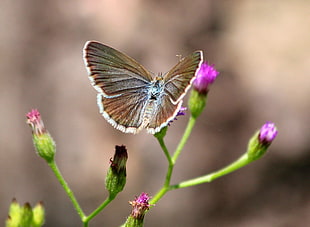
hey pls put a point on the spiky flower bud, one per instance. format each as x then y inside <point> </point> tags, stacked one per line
<point>139,207</point>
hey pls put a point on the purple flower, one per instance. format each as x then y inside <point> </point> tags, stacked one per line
<point>42,140</point>
<point>35,122</point>
<point>205,76</point>
<point>267,133</point>
<point>140,205</point>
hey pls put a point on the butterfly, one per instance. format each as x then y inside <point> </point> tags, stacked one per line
<point>129,98</point>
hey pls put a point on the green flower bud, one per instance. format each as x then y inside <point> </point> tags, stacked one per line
<point>27,215</point>
<point>38,215</point>
<point>116,176</point>
<point>45,146</point>
<point>15,214</point>
<point>133,222</point>
<point>196,103</point>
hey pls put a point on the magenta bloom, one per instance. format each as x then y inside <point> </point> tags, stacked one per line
<point>140,205</point>
<point>205,76</point>
<point>267,133</point>
<point>35,122</point>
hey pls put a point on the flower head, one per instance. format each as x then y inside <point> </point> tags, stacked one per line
<point>267,133</point>
<point>205,77</point>
<point>261,140</point>
<point>140,205</point>
<point>35,122</point>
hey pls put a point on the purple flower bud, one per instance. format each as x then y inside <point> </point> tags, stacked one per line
<point>140,205</point>
<point>267,133</point>
<point>42,140</point>
<point>205,76</point>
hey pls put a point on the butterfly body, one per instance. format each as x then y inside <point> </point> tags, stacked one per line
<point>128,97</point>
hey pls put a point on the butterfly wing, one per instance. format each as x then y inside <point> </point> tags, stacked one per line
<point>177,82</point>
<point>181,76</point>
<point>164,113</point>
<point>122,84</point>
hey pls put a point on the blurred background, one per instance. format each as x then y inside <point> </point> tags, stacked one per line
<point>261,49</point>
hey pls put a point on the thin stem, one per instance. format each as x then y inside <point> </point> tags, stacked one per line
<point>97,211</point>
<point>170,166</point>
<point>64,184</point>
<point>242,161</point>
<point>166,152</point>
<point>159,194</point>
<point>184,139</point>
<point>166,187</point>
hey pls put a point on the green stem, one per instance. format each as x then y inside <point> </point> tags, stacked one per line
<point>166,187</point>
<point>170,166</point>
<point>242,161</point>
<point>64,184</point>
<point>166,152</point>
<point>184,139</point>
<point>97,211</point>
<point>159,195</point>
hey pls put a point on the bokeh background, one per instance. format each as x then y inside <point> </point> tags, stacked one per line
<point>262,50</point>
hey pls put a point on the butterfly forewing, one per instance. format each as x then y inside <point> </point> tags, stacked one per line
<point>122,84</point>
<point>112,72</point>
<point>179,78</point>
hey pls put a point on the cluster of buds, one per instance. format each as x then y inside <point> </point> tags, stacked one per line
<point>25,216</point>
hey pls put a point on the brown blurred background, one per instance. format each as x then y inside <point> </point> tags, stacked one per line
<point>261,48</point>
